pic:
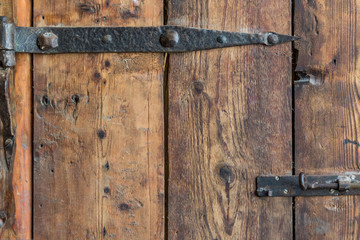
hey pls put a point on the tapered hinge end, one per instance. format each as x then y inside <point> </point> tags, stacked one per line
<point>271,39</point>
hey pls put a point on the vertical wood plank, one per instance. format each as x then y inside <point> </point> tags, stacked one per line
<point>327,112</point>
<point>98,140</point>
<point>229,121</point>
<point>16,183</point>
<point>22,175</point>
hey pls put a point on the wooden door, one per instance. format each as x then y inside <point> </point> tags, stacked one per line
<point>168,146</point>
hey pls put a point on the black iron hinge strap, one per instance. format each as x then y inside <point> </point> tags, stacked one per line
<point>50,40</point>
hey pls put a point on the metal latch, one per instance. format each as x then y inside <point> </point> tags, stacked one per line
<point>303,185</point>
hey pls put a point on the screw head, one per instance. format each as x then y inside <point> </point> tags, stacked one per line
<point>221,39</point>
<point>272,38</point>
<point>332,191</point>
<point>285,191</point>
<point>47,41</point>
<point>169,38</point>
<point>277,178</point>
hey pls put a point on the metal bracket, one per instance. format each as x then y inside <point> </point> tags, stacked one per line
<point>5,115</point>
<point>7,60</point>
<point>302,185</point>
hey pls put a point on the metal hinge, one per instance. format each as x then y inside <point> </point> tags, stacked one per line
<point>302,185</point>
<point>52,40</point>
<point>7,60</point>
<point>5,115</point>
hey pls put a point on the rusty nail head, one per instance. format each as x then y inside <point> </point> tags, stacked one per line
<point>169,38</point>
<point>107,39</point>
<point>47,41</point>
<point>272,39</point>
<point>221,39</point>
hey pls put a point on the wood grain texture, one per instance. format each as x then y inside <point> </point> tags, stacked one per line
<point>17,182</point>
<point>98,130</point>
<point>327,112</point>
<point>229,121</point>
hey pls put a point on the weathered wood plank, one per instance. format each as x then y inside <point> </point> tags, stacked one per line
<point>229,121</point>
<point>98,140</point>
<point>327,112</point>
<point>16,183</point>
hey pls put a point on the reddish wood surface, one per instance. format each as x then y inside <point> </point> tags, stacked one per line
<point>327,112</point>
<point>98,130</point>
<point>229,121</point>
<point>18,225</point>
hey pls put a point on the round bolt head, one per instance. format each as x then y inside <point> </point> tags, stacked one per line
<point>221,39</point>
<point>272,39</point>
<point>107,39</point>
<point>47,41</point>
<point>169,38</point>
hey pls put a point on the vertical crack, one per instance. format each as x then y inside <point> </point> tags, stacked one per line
<point>166,7</point>
<point>166,142</point>
<point>293,165</point>
<point>166,128</point>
